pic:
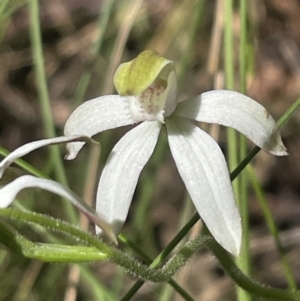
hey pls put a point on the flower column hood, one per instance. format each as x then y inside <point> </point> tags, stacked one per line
<point>151,82</point>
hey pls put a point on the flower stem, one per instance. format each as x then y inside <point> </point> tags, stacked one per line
<point>148,260</point>
<point>246,282</point>
<point>25,247</point>
<point>48,252</point>
<point>141,270</point>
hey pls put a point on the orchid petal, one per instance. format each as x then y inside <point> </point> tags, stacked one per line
<point>9,192</point>
<point>31,146</point>
<point>202,166</point>
<point>236,110</point>
<point>94,116</point>
<point>121,172</point>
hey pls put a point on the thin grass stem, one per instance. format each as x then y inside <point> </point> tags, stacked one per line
<point>104,15</point>
<point>41,81</point>
<point>244,261</point>
<point>272,227</point>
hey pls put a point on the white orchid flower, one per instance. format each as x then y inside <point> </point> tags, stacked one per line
<point>147,90</point>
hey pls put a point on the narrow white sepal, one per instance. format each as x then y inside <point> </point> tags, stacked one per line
<point>238,111</point>
<point>94,116</point>
<point>31,146</point>
<point>122,170</point>
<point>204,171</point>
<point>9,192</point>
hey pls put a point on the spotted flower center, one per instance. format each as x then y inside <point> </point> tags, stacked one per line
<point>149,103</point>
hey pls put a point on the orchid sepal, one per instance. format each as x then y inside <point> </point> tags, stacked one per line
<point>31,146</point>
<point>236,110</point>
<point>95,116</point>
<point>204,171</point>
<point>120,175</point>
<point>9,192</point>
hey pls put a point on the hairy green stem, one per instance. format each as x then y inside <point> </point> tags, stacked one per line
<point>133,266</point>
<point>137,268</point>
<point>246,282</point>
<point>48,252</point>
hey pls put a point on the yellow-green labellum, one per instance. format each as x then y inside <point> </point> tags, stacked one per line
<point>134,77</point>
